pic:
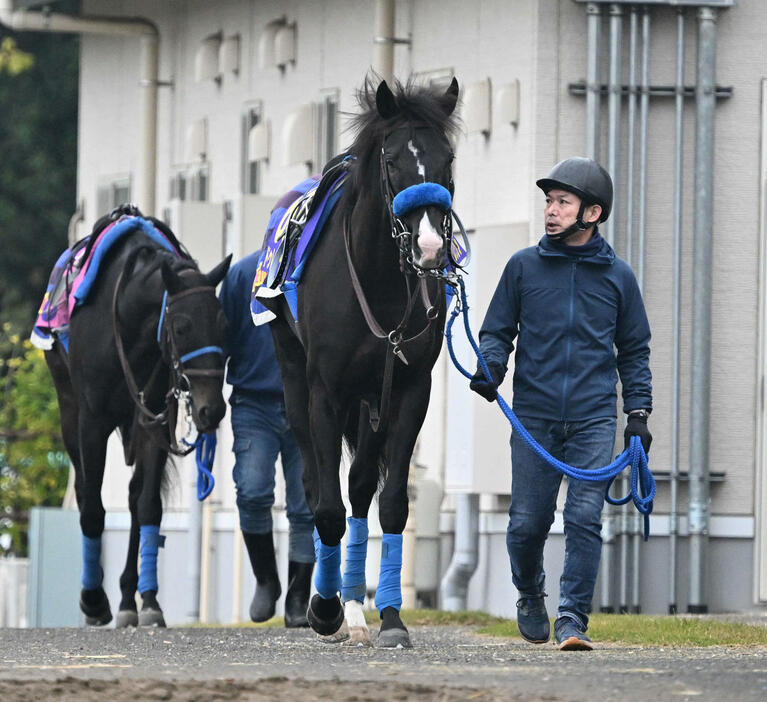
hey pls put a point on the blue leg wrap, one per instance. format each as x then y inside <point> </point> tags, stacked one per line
<point>327,578</point>
<point>151,541</point>
<point>389,592</point>
<point>92,574</point>
<point>356,552</point>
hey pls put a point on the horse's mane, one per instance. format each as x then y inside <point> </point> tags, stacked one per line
<point>420,104</point>
<point>158,255</point>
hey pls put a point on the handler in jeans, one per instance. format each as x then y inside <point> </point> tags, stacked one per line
<point>569,303</point>
<point>261,432</point>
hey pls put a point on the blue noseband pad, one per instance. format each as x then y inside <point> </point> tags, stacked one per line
<point>421,195</point>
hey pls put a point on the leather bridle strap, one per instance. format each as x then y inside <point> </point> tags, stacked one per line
<point>379,416</point>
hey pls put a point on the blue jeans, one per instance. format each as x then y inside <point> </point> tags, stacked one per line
<point>261,432</point>
<point>534,487</point>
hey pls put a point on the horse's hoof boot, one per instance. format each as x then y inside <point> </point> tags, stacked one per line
<point>94,604</point>
<point>324,627</point>
<point>151,617</point>
<point>126,618</point>
<point>394,638</point>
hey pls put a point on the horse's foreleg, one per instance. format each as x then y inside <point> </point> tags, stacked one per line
<point>93,444</point>
<point>363,481</point>
<point>128,615</point>
<point>408,413</point>
<point>149,512</point>
<point>326,614</point>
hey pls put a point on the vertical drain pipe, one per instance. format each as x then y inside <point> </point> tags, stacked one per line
<point>593,87</point>
<point>700,343</point>
<point>673,517</point>
<point>455,583</point>
<point>383,38</point>
<point>623,598</point>
<point>613,146</point>
<point>614,108</point>
<point>636,531</point>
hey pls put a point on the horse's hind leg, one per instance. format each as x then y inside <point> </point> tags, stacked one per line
<point>93,443</point>
<point>128,614</point>
<point>149,512</point>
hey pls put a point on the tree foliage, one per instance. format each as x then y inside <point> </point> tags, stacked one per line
<point>33,462</point>
<point>38,143</point>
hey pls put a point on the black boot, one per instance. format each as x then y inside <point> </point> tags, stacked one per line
<point>261,553</point>
<point>297,598</point>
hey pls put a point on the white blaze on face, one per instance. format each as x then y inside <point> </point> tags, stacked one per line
<point>429,240</point>
<point>421,168</point>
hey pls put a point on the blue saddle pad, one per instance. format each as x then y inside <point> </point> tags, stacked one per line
<point>294,228</point>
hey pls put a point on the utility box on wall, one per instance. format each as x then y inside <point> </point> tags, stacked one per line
<point>477,455</point>
<point>200,227</point>
<point>54,567</point>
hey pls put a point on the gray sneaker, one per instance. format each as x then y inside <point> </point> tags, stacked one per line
<point>533,619</point>
<point>571,636</point>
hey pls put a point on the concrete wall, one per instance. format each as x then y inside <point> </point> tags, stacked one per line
<point>495,193</point>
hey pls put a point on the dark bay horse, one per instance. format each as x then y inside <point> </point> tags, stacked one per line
<point>357,360</point>
<point>148,338</point>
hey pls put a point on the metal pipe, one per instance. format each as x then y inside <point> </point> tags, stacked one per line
<point>614,110</point>
<point>383,40</point>
<point>700,343</point>
<point>644,104</point>
<point>455,583</point>
<point>23,20</point>
<point>194,545</point>
<point>611,514</point>
<point>593,92</point>
<point>624,542</point>
<point>237,575</point>
<point>673,517</point>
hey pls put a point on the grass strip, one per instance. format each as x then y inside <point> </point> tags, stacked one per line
<point>647,630</point>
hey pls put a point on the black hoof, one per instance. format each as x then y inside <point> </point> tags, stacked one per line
<point>151,617</point>
<point>94,604</point>
<point>325,616</point>
<point>126,618</point>
<point>151,612</point>
<point>393,633</point>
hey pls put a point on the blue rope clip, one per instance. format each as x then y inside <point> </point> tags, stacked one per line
<point>643,488</point>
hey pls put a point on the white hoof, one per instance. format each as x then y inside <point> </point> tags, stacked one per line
<point>341,635</point>
<point>359,634</point>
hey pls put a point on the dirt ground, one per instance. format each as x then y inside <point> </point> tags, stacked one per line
<point>446,664</point>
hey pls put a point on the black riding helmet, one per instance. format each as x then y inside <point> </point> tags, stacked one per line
<point>585,178</point>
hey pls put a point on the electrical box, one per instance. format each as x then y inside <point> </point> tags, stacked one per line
<point>476,109</point>
<point>477,452</point>
<point>298,136</point>
<point>200,227</point>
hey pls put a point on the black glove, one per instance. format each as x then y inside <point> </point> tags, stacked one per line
<point>637,426</point>
<point>482,386</point>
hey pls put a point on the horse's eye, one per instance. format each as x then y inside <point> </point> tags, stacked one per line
<point>182,325</point>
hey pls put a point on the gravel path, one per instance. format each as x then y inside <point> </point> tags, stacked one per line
<point>446,663</point>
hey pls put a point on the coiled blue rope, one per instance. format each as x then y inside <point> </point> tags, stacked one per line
<point>205,452</point>
<point>643,488</point>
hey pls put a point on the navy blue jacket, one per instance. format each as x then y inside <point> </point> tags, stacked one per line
<point>253,368</point>
<point>569,309</point>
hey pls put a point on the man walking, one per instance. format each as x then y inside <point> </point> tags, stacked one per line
<point>569,303</point>
<point>261,432</point>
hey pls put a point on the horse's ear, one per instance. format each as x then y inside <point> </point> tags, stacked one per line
<point>218,273</point>
<point>451,97</point>
<point>385,102</point>
<point>170,278</point>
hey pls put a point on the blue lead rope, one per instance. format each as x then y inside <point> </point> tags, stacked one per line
<point>205,452</point>
<point>643,486</point>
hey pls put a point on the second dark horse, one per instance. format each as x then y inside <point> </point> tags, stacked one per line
<point>149,337</point>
